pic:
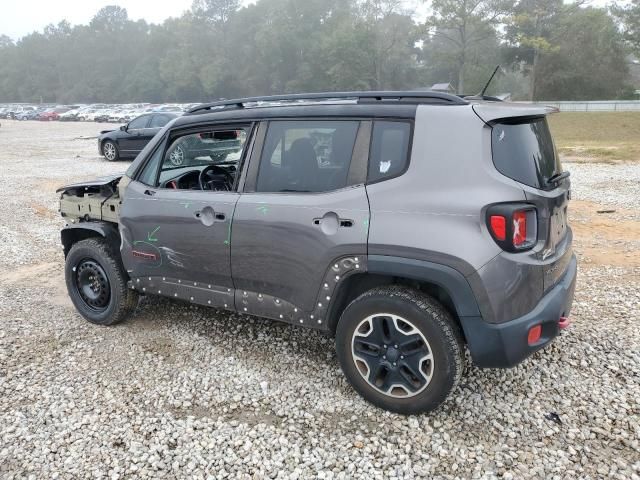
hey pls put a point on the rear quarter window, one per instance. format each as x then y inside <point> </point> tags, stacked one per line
<point>524,151</point>
<point>389,154</point>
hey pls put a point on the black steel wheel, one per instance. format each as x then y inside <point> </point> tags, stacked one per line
<point>92,284</point>
<point>97,283</point>
<point>400,349</point>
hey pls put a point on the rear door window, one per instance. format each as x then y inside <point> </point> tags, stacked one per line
<point>525,152</point>
<point>307,156</point>
<point>389,153</point>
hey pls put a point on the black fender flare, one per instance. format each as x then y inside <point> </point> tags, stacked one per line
<point>75,232</point>
<point>450,279</point>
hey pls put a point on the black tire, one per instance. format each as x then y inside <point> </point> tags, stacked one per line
<point>428,321</point>
<point>93,259</point>
<point>110,151</point>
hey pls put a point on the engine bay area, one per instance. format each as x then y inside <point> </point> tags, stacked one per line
<point>95,200</point>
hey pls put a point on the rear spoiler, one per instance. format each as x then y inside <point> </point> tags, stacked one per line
<point>490,112</point>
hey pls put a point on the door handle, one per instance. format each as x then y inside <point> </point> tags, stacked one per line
<point>208,216</point>
<point>331,222</point>
<point>149,192</point>
<point>343,222</point>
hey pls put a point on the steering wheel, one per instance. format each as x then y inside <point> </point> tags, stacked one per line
<point>208,177</point>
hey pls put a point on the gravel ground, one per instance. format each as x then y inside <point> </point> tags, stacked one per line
<point>182,391</point>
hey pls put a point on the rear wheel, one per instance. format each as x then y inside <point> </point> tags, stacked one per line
<point>110,151</point>
<point>400,349</point>
<point>97,284</point>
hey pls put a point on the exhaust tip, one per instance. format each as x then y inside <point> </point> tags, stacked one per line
<point>564,322</point>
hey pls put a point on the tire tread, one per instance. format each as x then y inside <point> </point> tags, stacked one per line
<point>435,311</point>
<point>128,297</point>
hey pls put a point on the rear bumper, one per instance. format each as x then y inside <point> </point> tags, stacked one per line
<point>505,345</point>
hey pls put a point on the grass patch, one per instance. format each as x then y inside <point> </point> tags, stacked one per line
<point>608,137</point>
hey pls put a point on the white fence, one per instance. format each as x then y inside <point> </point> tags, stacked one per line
<point>598,106</point>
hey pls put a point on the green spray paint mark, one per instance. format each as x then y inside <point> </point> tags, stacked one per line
<point>150,235</point>
<point>186,204</point>
<point>366,224</point>
<point>228,240</point>
<point>263,208</point>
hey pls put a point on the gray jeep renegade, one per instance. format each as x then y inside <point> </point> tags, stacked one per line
<point>408,225</point>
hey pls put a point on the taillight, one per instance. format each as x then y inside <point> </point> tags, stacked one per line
<point>499,226</point>
<point>519,228</point>
<point>513,226</point>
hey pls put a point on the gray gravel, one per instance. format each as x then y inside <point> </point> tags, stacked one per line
<point>614,185</point>
<point>185,392</point>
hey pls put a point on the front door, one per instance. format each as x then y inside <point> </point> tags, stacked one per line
<point>135,137</point>
<point>305,224</point>
<point>176,226</point>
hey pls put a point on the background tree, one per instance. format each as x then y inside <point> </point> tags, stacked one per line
<point>530,29</point>
<point>461,26</point>
<point>220,49</point>
<point>587,62</point>
<point>629,16</point>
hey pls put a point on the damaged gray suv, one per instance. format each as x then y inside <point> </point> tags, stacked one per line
<point>408,225</point>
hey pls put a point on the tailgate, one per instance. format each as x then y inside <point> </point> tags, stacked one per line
<point>557,251</point>
<point>523,150</point>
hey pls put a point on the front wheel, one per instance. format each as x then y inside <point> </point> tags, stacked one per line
<point>110,151</point>
<point>177,156</point>
<point>96,282</point>
<point>400,349</point>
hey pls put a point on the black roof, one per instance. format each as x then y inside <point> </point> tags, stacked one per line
<point>415,97</point>
<point>333,104</point>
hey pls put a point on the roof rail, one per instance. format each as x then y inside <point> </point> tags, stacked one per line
<point>489,98</point>
<point>360,97</point>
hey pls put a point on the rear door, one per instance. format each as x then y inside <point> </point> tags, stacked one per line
<point>301,223</point>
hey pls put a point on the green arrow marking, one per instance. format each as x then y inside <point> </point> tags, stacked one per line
<point>150,236</point>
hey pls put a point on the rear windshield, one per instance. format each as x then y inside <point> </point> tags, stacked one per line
<point>524,151</point>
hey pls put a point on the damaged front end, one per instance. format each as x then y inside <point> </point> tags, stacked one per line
<point>96,200</point>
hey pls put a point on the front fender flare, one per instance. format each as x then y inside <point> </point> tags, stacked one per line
<point>73,233</point>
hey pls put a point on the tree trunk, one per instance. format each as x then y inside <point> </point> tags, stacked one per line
<point>534,67</point>
<point>461,79</point>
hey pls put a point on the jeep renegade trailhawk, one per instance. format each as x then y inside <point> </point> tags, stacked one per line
<point>406,224</point>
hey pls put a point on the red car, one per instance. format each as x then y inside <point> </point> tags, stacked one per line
<point>52,114</point>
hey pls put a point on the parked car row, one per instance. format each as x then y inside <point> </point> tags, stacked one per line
<point>97,112</point>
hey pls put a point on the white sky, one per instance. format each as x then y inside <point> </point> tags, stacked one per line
<point>21,17</point>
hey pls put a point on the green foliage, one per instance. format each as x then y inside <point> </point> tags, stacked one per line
<point>219,49</point>
<point>629,16</point>
<point>568,52</point>
<point>588,62</point>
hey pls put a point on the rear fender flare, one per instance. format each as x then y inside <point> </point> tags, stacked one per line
<point>450,279</point>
